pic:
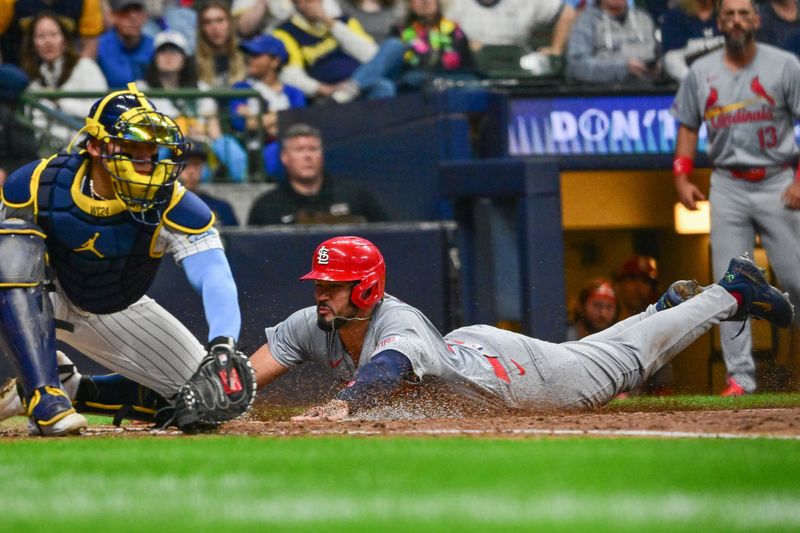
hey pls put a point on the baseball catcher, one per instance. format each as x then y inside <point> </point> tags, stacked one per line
<point>82,234</point>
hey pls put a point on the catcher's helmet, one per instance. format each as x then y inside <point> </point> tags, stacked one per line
<point>351,259</point>
<point>127,116</point>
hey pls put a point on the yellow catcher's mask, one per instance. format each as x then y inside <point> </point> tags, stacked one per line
<point>143,151</point>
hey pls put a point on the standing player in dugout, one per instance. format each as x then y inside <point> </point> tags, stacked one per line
<point>748,96</point>
<point>82,234</point>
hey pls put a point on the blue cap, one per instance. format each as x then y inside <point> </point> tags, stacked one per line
<point>13,81</point>
<point>265,44</point>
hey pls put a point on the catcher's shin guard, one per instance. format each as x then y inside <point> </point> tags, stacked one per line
<point>117,396</point>
<point>27,327</point>
<point>11,400</point>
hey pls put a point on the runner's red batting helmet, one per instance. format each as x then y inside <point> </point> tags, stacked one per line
<point>351,259</point>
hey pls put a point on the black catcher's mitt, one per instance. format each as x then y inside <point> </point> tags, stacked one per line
<point>223,388</point>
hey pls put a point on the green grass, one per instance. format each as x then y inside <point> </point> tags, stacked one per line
<point>228,483</point>
<point>684,403</point>
<point>358,484</point>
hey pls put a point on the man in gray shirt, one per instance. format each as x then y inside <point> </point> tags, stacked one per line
<point>378,344</point>
<point>611,43</point>
<point>748,95</point>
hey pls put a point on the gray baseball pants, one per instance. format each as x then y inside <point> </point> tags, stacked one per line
<point>591,371</point>
<point>739,210</point>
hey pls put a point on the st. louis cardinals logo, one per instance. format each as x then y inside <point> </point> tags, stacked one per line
<point>322,256</point>
<point>724,116</point>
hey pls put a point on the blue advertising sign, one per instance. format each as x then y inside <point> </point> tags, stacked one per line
<point>592,125</point>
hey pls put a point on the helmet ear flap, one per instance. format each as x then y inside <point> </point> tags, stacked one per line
<point>368,291</point>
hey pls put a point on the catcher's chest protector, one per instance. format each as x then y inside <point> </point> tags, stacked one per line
<point>102,258</point>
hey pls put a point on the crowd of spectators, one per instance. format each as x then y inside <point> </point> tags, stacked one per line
<point>339,50</point>
<point>298,53</point>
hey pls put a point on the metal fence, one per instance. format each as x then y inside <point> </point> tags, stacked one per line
<point>54,128</point>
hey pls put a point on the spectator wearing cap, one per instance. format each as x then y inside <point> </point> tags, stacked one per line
<point>637,284</point>
<point>173,68</point>
<point>333,57</point>
<point>192,175</point>
<point>265,57</point>
<point>124,51</point>
<point>596,309</point>
<point>83,20</point>
<point>257,118</point>
<point>51,61</point>
<point>17,142</point>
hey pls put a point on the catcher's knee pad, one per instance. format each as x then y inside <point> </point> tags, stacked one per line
<point>117,396</point>
<point>27,327</point>
<point>23,251</point>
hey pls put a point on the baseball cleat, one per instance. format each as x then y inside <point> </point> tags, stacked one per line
<point>759,298</point>
<point>733,388</point>
<point>10,403</point>
<point>50,413</point>
<point>677,293</point>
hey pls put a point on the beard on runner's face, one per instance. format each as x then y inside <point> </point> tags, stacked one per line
<point>334,320</point>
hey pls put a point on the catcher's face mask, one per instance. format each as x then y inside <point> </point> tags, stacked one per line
<point>144,159</point>
<point>143,151</point>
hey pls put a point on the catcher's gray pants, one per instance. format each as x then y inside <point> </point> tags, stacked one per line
<point>739,210</point>
<point>591,371</point>
<point>144,342</point>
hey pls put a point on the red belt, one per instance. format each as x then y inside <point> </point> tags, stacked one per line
<point>754,173</point>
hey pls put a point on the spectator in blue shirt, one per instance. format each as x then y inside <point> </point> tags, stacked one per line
<point>688,32</point>
<point>265,56</point>
<point>124,52</point>
<point>780,23</point>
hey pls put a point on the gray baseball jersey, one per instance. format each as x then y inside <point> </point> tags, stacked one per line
<point>396,326</point>
<point>512,369</point>
<point>749,114</point>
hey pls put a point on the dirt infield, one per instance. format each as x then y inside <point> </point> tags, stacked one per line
<point>783,422</point>
<point>766,422</point>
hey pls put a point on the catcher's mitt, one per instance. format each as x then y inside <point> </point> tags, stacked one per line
<point>223,388</point>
